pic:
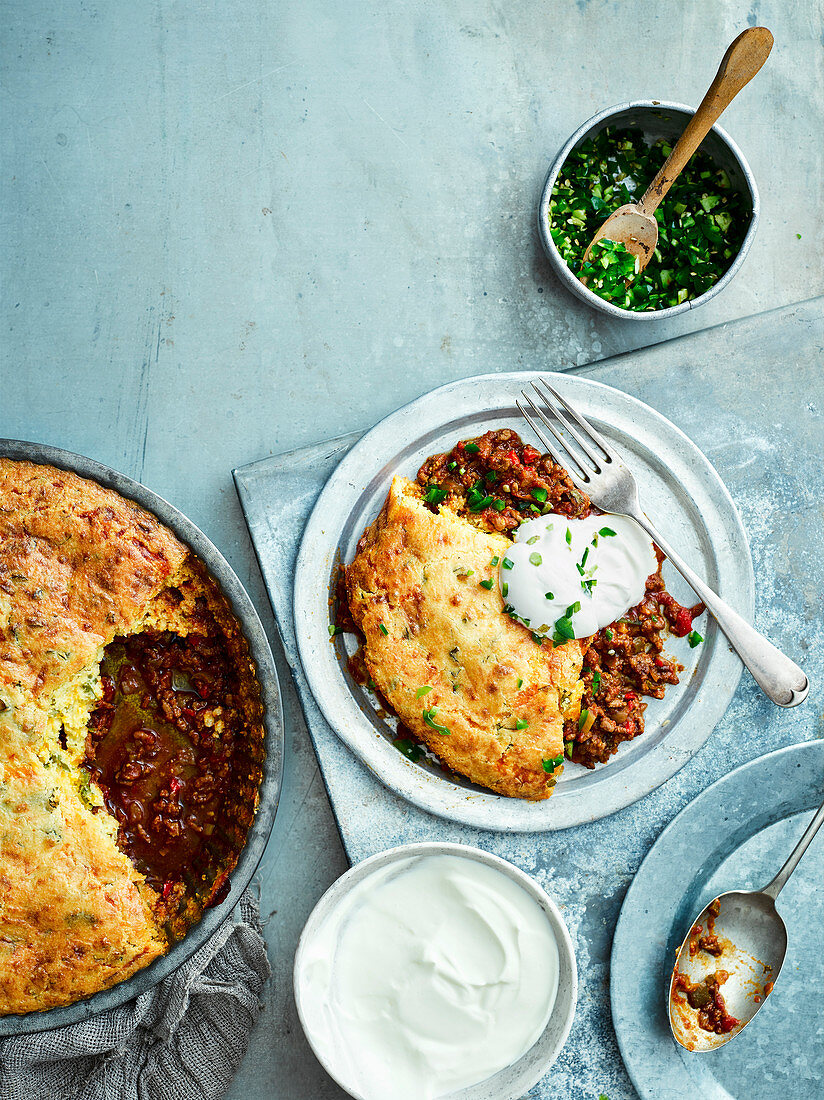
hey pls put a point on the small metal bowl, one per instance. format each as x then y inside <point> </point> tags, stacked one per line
<point>513,1080</point>
<point>656,120</point>
<point>258,835</point>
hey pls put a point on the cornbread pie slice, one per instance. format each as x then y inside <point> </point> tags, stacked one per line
<point>470,682</point>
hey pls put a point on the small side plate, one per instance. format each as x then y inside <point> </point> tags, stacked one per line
<point>678,487</point>
<point>733,836</point>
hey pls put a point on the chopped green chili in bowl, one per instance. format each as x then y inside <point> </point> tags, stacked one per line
<point>702,221</point>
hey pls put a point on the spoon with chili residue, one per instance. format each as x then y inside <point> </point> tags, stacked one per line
<point>730,960</point>
<point>634,225</point>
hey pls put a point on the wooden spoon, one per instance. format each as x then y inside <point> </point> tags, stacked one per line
<point>634,224</point>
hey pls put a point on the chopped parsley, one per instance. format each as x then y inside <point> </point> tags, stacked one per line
<point>471,448</point>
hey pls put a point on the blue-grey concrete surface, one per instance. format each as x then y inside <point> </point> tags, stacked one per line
<point>231,229</point>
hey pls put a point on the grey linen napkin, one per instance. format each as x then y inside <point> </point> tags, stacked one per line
<point>182,1040</point>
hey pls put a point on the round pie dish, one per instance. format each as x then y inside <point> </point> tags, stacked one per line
<point>654,119</point>
<point>144,605</point>
<point>517,1078</point>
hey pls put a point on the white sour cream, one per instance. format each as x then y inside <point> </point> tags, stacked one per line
<point>600,563</point>
<point>434,973</point>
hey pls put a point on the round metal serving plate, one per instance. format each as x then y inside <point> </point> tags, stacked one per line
<point>261,654</point>
<point>735,835</point>
<point>678,487</point>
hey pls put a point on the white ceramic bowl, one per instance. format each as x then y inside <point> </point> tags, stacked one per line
<point>518,1078</point>
<point>655,119</point>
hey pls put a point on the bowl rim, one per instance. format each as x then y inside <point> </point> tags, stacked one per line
<point>557,263</point>
<point>270,787</point>
<point>342,887</point>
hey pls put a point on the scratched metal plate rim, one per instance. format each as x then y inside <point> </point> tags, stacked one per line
<point>677,483</point>
<point>261,654</point>
<point>675,880</point>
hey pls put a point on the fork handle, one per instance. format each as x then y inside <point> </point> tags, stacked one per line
<point>777,676</point>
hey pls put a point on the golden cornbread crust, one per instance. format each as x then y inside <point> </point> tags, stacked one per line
<point>79,566</point>
<point>414,590</point>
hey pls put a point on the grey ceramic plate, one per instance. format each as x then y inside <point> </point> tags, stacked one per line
<point>261,827</point>
<point>735,835</point>
<point>679,488</point>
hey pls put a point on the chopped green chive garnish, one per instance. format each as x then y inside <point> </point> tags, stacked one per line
<point>701,221</point>
<point>582,717</point>
<point>383,630</point>
<point>409,748</point>
<point>694,639</point>
<point>569,537</point>
<point>333,630</point>
<point>423,690</point>
<point>434,495</point>
<point>564,631</point>
<point>568,747</point>
<point>495,560</point>
<point>486,584</point>
<point>535,558</point>
<point>472,448</point>
<point>606,531</point>
<point>573,607</point>
<point>584,558</point>
<point>429,718</point>
<point>533,540</point>
<point>540,495</point>
<point>506,564</point>
<point>596,681</point>
<point>551,765</point>
<point>537,639</point>
<point>521,724</point>
<point>519,685</point>
<point>609,635</point>
<point>504,589</point>
<point>499,505</point>
<point>550,596</point>
<point>452,465</point>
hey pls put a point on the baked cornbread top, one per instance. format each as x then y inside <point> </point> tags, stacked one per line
<point>78,564</point>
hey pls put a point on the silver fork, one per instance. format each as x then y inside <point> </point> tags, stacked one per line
<point>599,472</point>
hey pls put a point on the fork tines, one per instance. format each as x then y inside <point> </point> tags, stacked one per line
<point>588,439</point>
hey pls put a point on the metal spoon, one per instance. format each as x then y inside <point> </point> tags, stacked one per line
<point>634,224</point>
<point>753,942</point>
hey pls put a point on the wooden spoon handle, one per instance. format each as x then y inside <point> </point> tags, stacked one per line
<point>739,65</point>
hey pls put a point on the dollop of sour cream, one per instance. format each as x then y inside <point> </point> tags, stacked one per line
<point>566,578</point>
<point>434,973</point>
